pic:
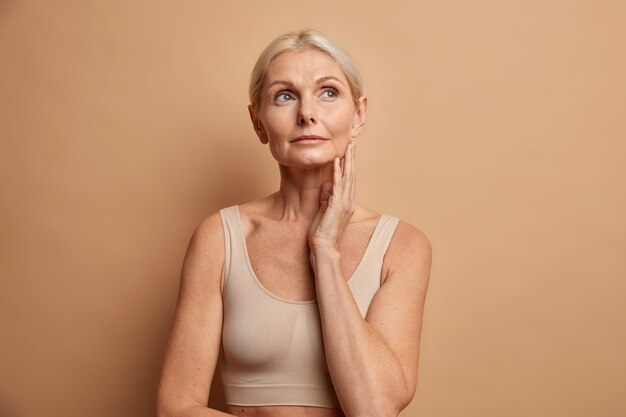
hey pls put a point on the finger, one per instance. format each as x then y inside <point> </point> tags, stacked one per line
<point>342,161</point>
<point>347,159</point>
<point>353,185</point>
<point>348,171</point>
<point>336,179</point>
<point>325,194</point>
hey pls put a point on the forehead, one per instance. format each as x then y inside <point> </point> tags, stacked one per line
<point>303,65</point>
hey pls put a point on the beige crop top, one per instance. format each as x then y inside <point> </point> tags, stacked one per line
<point>272,349</point>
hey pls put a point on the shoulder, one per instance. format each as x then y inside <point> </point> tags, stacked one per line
<point>408,239</point>
<point>209,232</point>
<point>204,258</point>
<point>409,253</point>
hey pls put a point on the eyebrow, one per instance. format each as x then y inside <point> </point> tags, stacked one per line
<point>319,80</point>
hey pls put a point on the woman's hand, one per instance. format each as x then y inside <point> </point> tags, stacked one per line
<point>336,204</point>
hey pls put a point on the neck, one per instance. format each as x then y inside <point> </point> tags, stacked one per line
<point>298,198</point>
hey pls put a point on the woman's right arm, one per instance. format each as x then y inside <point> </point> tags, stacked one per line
<point>195,336</point>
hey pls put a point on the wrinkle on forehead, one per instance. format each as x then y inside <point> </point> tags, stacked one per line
<point>304,66</point>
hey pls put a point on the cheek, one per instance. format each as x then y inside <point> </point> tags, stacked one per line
<point>340,122</point>
<point>276,121</point>
<point>341,131</point>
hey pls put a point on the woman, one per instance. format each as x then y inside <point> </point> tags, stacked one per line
<point>314,302</point>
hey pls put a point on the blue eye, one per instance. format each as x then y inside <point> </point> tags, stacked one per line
<point>331,90</point>
<point>282,94</point>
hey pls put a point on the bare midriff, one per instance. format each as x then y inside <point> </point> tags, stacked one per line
<point>284,411</point>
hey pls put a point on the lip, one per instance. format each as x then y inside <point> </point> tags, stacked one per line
<point>308,138</point>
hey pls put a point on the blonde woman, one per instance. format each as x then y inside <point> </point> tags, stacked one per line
<point>314,302</point>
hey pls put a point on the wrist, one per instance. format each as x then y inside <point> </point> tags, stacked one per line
<point>325,251</point>
<point>324,254</point>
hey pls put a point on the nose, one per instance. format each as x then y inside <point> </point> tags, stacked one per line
<point>306,114</point>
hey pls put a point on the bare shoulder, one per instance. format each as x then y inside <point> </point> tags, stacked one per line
<point>409,240</point>
<point>208,235</point>
<point>209,230</point>
<point>204,259</point>
<point>409,253</point>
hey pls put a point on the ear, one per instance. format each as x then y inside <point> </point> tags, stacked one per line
<point>258,126</point>
<point>359,117</point>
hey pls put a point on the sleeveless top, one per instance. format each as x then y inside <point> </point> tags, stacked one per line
<point>272,348</point>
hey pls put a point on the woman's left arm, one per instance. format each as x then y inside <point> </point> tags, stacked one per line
<point>372,362</point>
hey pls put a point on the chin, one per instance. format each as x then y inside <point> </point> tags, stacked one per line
<point>308,163</point>
<point>307,159</point>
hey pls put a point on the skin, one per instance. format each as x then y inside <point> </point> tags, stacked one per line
<point>319,234</point>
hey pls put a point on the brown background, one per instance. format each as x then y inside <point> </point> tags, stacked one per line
<point>497,127</point>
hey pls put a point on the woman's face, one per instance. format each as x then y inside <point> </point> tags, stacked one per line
<point>306,93</point>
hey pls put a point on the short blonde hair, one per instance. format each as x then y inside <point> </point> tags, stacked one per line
<point>301,40</point>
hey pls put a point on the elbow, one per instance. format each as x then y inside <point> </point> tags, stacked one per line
<point>391,410</point>
<point>160,408</point>
<point>390,406</point>
<point>388,412</point>
<point>166,409</point>
<point>382,408</point>
<point>173,403</point>
<point>164,405</point>
<point>163,410</point>
<point>169,410</point>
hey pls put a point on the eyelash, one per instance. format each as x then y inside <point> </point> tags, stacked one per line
<point>280,94</point>
<point>334,91</point>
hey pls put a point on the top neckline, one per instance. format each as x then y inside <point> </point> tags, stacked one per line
<point>298,302</point>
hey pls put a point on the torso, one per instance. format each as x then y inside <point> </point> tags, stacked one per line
<point>284,411</point>
<point>289,257</point>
